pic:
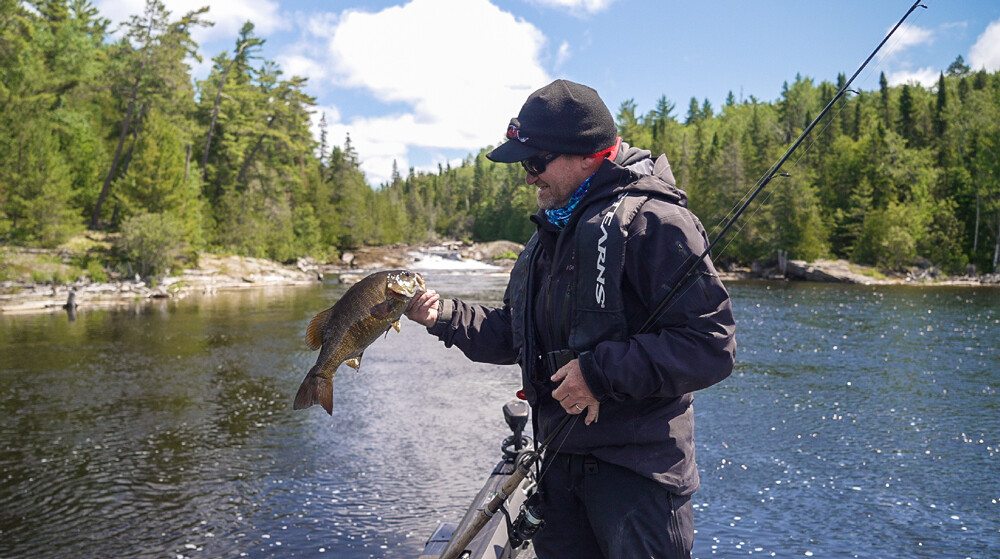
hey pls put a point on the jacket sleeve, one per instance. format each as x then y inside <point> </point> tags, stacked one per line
<point>692,346</point>
<point>482,333</point>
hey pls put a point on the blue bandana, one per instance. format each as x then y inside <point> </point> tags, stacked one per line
<point>560,216</point>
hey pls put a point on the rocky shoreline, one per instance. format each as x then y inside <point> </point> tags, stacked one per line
<point>842,271</point>
<point>214,273</point>
<point>217,273</point>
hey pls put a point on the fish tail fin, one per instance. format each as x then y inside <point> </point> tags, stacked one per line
<point>315,390</point>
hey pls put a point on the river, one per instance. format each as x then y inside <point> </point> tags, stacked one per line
<point>859,422</point>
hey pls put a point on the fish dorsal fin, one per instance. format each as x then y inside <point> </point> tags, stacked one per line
<point>314,333</point>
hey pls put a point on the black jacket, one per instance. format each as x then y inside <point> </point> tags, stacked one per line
<point>644,383</point>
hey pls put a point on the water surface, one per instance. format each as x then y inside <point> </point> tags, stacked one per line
<point>860,422</point>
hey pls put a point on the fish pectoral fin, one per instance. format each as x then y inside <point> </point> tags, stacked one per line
<point>382,310</point>
<point>394,325</point>
<point>314,333</point>
<point>355,362</point>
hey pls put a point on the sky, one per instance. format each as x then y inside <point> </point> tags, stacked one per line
<point>428,82</point>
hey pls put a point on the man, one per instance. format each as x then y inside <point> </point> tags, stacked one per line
<point>613,237</point>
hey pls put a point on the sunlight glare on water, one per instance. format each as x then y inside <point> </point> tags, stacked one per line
<point>859,422</point>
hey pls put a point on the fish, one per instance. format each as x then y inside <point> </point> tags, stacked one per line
<point>342,332</point>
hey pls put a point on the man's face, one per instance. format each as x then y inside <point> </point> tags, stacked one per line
<point>560,179</point>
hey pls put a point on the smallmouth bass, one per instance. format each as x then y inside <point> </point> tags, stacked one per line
<point>366,311</point>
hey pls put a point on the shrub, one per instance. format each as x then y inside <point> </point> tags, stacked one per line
<point>96,272</point>
<point>506,255</point>
<point>151,242</point>
<point>887,237</point>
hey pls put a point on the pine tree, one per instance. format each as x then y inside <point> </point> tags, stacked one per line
<point>941,104</point>
<point>958,67</point>
<point>694,112</point>
<point>153,52</point>
<point>157,181</point>
<point>905,124</point>
<point>883,89</point>
<point>246,44</point>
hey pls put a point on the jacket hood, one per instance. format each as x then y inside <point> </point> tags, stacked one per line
<point>635,158</point>
<point>634,170</point>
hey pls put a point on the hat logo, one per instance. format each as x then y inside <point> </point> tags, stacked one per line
<point>514,134</point>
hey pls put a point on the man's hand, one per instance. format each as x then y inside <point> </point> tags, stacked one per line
<point>423,308</point>
<point>573,393</point>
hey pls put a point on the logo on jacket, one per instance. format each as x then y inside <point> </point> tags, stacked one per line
<point>514,132</point>
<point>599,294</point>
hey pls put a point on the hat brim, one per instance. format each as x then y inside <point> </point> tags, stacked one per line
<point>512,152</point>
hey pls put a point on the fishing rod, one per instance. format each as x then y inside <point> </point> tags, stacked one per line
<point>667,300</point>
<point>529,458</point>
<point>523,466</point>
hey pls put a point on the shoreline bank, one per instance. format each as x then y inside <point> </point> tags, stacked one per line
<point>219,273</point>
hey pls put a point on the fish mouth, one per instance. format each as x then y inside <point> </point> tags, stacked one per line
<point>406,283</point>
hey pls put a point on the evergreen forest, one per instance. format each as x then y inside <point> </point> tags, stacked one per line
<point>110,133</point>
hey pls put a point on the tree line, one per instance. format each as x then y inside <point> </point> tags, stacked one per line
<point>895,177</point>
<point>116,136</point>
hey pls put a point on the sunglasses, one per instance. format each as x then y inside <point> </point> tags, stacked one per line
<point>535,165</point>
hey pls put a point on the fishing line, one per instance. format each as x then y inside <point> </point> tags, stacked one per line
<point>748,198</point>
<point>544,447</point>
<point>771,173</point>
<point>458,544</point>
<point>891,41</point>
<point>794,164</point>
<point>879,65</point>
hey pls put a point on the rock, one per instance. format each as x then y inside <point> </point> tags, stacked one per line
<point>488,251</point>
<point>836,271</point>
<point>215,273</point>
<point>350,279</point>
<point>307,266</point>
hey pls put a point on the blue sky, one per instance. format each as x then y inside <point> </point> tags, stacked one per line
<point>423,82</point>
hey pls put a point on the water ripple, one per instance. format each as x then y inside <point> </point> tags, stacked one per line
<point>859,422</point>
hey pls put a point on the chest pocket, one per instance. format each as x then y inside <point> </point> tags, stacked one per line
<point>599,307</point>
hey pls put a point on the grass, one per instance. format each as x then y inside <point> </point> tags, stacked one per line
<point>82,256</point>
<point>36,267</point>
<point>868,271</point>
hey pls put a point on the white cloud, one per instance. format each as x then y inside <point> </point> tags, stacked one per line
<point>576,6</point>
<point>563,55</point>
<point>926,77</point>
<point>453,71</point>
<point>985,54</point>
<point>905,37</point>
<point>228,16</point>
<point>449,74</point>
<point>294,64</point>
